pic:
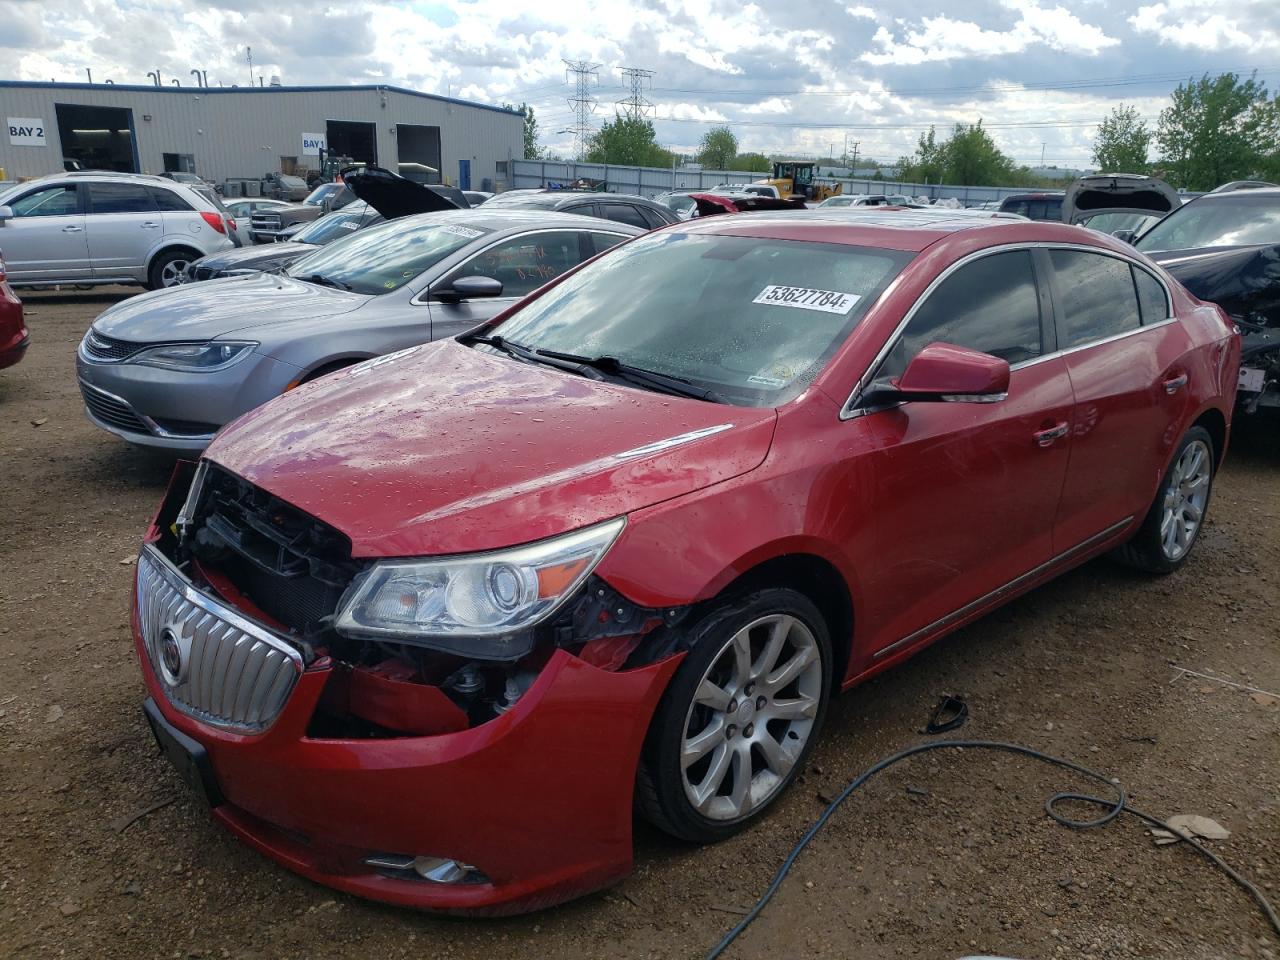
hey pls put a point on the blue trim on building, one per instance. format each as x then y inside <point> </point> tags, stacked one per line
<point>256,91</point>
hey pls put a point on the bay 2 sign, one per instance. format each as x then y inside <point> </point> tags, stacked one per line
<point>312,144</point>
<point>26,132</point>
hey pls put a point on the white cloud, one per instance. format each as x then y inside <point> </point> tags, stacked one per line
<point>1205,25</point>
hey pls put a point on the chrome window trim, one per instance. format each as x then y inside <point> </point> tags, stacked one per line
<point>421,297</point>
<point>850,411</point>
<point>1000,591</point>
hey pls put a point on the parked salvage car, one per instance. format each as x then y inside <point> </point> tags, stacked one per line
<point>273,256</point>
<point>1036,205</point>
<point>14,336</point>
<point>428,630</point>
<point>625,208</point>
<point>1116,202</point>
<point>1225,248</point>
<point>270,225</point>
<point>242,211</point>
<point>167,370</point>
<point>98,227</point>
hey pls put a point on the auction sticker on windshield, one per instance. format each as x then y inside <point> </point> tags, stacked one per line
<point>806,298</point>
<point>467,232</point>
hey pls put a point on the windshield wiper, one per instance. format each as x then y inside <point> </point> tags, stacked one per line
<point>322,281</point>
<point>663,382</point>
<point>499,342</point>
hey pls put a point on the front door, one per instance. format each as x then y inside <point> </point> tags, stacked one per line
<point>464,174</point>
<point>1130,388</point>
<point>45,239</point>
<point>964,493</point>
<point>123,225</point>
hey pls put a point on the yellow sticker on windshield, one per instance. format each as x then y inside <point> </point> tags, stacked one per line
<point>807,298</point>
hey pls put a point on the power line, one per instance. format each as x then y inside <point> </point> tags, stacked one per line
<point>582,103</point>
<point>636,107</point>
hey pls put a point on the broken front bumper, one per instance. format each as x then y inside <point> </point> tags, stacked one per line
<point>538,800</point>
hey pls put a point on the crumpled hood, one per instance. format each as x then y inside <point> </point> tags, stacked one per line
<point>1244,281</point>
<point>263,256</point>
<point>218,308</point>
<point>445,449</point>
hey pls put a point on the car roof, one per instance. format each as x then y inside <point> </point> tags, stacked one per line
<point>512,218</point>
<point>908,230</point>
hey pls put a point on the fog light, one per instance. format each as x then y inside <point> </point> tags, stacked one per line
<point>431,869</point>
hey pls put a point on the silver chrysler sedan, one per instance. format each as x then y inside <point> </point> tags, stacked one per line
<point>167,369</point>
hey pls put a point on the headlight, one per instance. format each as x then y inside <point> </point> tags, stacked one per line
<point>204,357</point>
<point>475,606</point>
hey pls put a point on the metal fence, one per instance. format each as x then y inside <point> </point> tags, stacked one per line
<point>648,181</point>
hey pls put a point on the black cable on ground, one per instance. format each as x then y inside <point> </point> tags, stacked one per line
<point>1111,808</point>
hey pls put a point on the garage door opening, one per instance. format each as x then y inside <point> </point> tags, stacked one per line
<point>349,138</point>
<point>418,146</point>
<point>98,138</point>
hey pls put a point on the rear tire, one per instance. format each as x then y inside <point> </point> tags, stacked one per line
<point>740,717</point>
<point>168,269</point>
<point>1173,524</point>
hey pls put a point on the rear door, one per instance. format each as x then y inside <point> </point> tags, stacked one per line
<point>45,240</point>
<point>1125,358</point>
<point>123,223</point>
<point>522,263</point>
<point>965,493</point>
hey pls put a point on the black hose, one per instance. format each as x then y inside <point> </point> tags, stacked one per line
<point>1111,810</point>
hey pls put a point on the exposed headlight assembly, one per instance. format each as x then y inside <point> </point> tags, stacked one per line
<point>204,357</point>
<point>477,605</point>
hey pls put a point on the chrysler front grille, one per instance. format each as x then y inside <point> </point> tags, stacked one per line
<point>111,410</point>
<point>214,664</point>
<point>109,349</point>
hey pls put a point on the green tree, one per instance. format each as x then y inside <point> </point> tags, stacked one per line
<point>532,150</point>
<point>752,162</point>
<point>928,164</point>
<point>718,148</point>
<point>972,157</point>
<point>1122,142</point>
<point>1217,129</point>
<point>630,141</point>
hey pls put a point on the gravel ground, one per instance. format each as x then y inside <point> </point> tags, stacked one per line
<point>964,862</point>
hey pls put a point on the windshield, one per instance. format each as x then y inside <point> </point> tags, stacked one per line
<point>751,319</point>
<point>1111,221</point>
<point>386,257</point>
<point>322,193</point>
<point>1224,221</point>
<point>334,226</point>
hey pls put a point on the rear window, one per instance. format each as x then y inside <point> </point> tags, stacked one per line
<point>1096,295</point>
<point>120,198</point>
<point>168,200</point>
<point>1034,208</point>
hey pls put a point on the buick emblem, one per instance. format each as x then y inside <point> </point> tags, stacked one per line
<point>174,648</point>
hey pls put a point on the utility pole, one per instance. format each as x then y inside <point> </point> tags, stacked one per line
<point>1042,146</point>
<point>582,103</point>
<point>248,55</point>
<point>636,107</point>
<point>853,170</point>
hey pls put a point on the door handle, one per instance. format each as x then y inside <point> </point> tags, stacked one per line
<point>1045,438</point>
<point>149,225</point>
<point>1174,384</point>
<point>73,229</point>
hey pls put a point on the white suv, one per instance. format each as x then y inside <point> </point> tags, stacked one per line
<point>96,227</point>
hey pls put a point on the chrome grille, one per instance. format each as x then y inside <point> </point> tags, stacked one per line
<point>99,347</point>
<point>230,671</point>
<point>111,410</point>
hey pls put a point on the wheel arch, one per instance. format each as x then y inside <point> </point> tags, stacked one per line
<point>332,365</point>
<point>1215,423</point>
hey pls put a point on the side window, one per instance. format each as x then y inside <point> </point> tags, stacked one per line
<point>989,305</point>
<point>168,200</point>
<point>525,263</point>
<point>653,218</point>
<point>603,241</point>
<point>624,213</point>
<point>49,202</point>
<point>1151,297</point>
<point>120,198</point>
<point>1096,297</point>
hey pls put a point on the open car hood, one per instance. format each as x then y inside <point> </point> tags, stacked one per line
<point>1118,193</point>
<point>710,204</point>
<point>394,196</point>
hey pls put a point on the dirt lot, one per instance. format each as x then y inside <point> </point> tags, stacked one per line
<point>1081,668</point>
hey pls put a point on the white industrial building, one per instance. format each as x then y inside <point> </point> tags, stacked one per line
<point>229,133</point>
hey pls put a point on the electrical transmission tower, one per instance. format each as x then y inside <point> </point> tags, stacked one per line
<point>583,104</point>
<point>635,107</point>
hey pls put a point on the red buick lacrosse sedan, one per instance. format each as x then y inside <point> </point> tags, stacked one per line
<point>428,630</point>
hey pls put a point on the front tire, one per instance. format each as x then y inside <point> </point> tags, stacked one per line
<point>1172,525</point>
<point>739,718</point>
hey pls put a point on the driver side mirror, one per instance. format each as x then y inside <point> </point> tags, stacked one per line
<point>470,288</point>
<point>945,373</point>
<point>6,213</point>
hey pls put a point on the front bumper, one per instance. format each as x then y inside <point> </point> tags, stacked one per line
<point>174,410</point>
<point>538,799</point>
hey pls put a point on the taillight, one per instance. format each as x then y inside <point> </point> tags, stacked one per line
<point>214,220</point>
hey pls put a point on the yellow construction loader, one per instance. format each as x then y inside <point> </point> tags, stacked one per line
<point>795,180</point>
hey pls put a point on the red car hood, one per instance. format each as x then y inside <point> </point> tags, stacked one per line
<point>445,449</point>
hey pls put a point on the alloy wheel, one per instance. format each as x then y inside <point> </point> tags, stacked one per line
<point>174,273</point>
<point>1185,499</point>
<point>751,717</point>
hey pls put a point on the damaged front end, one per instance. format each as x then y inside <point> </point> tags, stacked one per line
<point>359,735</point>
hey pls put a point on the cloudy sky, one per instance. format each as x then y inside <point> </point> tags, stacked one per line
<point>791,77</point>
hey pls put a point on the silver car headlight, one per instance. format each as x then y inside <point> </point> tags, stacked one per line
<point>478,605</point>
<point>202,357</point>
